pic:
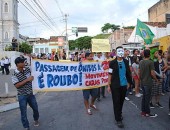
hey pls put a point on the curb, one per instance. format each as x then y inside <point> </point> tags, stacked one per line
<point>11,106</point>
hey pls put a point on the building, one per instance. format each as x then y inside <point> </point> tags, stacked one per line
<point>54,44</point>
<point>120,37</point>
<point>160,12</point>
<point>9,26</point>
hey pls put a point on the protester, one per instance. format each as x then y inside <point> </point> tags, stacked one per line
<point>88,92</point>
<point>102,88</point>
<point>56,57</point>
<point>22,80</point>
<point>157,87</point>
<point>76,58</point>
<point>129,88</point>
<point>146,73</point>
<point>119,77</point>
<point>2,65</point>
<point>6,65</point>
<point>136,53</point>
<point>135,68</point>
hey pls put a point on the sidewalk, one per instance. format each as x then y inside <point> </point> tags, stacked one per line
<point>8,99</point>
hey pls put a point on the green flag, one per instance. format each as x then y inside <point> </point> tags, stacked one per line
<point>144,31</point>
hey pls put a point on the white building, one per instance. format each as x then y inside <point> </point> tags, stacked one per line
<point>9,26</point>
<point>54,44</point>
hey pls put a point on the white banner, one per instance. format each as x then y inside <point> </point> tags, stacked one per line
<point>64,76</point>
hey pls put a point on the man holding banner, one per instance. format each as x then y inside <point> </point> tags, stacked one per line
<point>119,77</point>
<point>88,92</point>
<point>22,80</point>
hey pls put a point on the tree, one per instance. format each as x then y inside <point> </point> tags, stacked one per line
<point>80,43</point>
<point>108,26</point>
<point>25,48</point>
<point>129,27</point>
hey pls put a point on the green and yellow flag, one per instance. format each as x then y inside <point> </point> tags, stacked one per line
<point>144,31</point>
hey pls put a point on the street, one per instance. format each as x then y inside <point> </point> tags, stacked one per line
<point>66,111</point>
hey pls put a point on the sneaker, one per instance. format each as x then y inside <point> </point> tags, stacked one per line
<point>27,128</point>
<point>159,105</point>
<point>89,111</point>
<point>98,99</point>
<point>36,123</point>
<point>130,93</point>
<point>151,115</point>
<point>169,113</point>
<point>151,105</point>
<point>162,94</point>
<point>104,96</point>
<point>143,113</point>
<point>127,99</point>
<point>120,124</point>
<point>138,95</point>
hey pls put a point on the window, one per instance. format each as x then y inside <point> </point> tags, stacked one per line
<point>6,36</point>
<point>6,7</point>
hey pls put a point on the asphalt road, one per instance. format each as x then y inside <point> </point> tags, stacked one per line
<point>66,111</point>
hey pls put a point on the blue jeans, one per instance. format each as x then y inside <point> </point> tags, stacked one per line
<point>23,100</point>
<point>146,99</point>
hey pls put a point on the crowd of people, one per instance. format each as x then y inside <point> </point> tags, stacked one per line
<point>146,72</point>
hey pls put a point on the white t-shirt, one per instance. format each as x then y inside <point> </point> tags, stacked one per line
<point>2,62</point>
<point>135,67</point>
<point>99,59</point>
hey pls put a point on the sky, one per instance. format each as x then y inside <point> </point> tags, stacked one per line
<point>92,14</point>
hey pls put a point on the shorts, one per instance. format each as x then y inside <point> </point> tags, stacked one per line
<point>88,92</point>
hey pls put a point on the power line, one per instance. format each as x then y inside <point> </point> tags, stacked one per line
<point>44,12</point>
<point>39,15</point>
<point>22,24</point>
<point>59,7</point>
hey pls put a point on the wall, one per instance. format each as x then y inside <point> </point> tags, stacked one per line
<point>157,12</point>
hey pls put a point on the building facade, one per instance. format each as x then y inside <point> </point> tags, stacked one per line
<point>9,26</point>
<point>160,12</point>
<point>54,44</point>
<point>120,37</point>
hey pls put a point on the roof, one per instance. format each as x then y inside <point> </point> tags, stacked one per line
<point>157,24</point>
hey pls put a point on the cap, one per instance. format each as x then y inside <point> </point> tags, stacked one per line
<point>19,60</point>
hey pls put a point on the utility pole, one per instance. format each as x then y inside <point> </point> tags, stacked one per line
<point>67,46</point>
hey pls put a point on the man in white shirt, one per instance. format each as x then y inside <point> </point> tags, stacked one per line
<point>2,65</point>
<point>6,65</point>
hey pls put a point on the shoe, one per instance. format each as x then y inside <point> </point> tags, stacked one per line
<point>120,124</point>
<point>130,93</point>
<point>98,99</point>
<point>104,96</point>
<point>143,113</point>
<point>159,105</point>
<point>167,91</point>
<point>127,99</point>
<point>151,105</point>
<point>169,113</point>
<point>162,94</point>
<point>151,115</point>
<point>27,128</point>
<point>138,95</point>
<point>36,123</point>
<point>94,107</point>
<point>89,111</point>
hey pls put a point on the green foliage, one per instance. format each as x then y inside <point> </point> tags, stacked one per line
<point>25,48</point>
<point>80,43</point>
<point>102,36</point>
<point>129,27</point>
<point>108,26</point>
